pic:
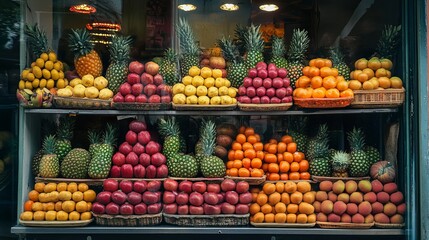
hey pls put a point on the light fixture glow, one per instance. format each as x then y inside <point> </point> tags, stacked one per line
<point>187,7</point>
<point>229,7</point>
<point>83,8</point>
<point>269,7</point>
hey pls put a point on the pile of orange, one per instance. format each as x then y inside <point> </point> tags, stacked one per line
<point>287,202</point>
<point>321,80</point>
<point>282,161</point>
<point>373,74</point>
<point>246,156</point>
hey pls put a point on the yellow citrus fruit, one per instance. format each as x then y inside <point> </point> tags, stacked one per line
<point>44,56</point>
<point>49,65</point>
<point>81,206</point>
<point>40,62</point>
<point>213,91</point>
<point>77,196</point>
<point>58,66</point>
<point>46,74</point>
<point>26,216</point>
<point>206,72</point>
<point>209,82</point>
<point>28,85</point>
<point>194,71</point>
<point>35,83</point>
<point>50,215</point>
<point>62,216</point>
<point>217,73</point>
<point>223,91</point>
<point>190,90</point>
<point>82,187</point>
<point>187,80</point>
<point>50,84</point>
<point>197,81</point>
<point>61,83</point>
<point>54,74</point>
<point>85,216</point>
<point>179,98</point>
<point>201,91</point>
<point>178,88</point>
<point>203,100</point>
<point>21,84</point>
<point>216,100</point>
<point>192,100</point>
<point>30,76</point>
<point>89,195</point>
<point>232,92</point>
<point>24,73</point>
<point>72,187</point>
<point>62,186</point>
<point>52,56</point>
<point>219,82</point>
<point>50,187</point>
<point>68,206</point>
<point>227,83</point>
<point>37,71</point>
<point>39,216</point>
<point>225,100</point>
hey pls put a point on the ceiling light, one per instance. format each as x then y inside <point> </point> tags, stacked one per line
<point>83,8</point>
<point>187,7</point>
<point>268,7</point>
<point>229,7</point>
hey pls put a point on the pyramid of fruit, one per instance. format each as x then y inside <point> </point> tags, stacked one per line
<point>246,156</point>
<point>283,202</point>
<point>87,87</point>
<point>144,84</point>
<point>321,80</point>
<point>59,202</point>
<point>128,198</point>
<point>204,86</point>
<point>200,198</point>
<point>139,156</point>
<point>282,161</point>
<point>265,84</point>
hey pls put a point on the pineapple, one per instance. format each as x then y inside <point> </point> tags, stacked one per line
<point>94,141</point>
<point>298,132</point>
<point>359,162</point>
<point>75,164</point>
<point>86,59</point>
<point>338,63</point>
<point>320,165</point>
<point>278,51</point>
<point>101,161</point>
<point>211,166</point>
<point>190,52</point>
<point>388,42</point>
<point>373,154</point>
<point>340,164</point>
<point>181,165</point>
<point>315,142</point>
<point>296,54</point>
<point>117,71</point>
<point>168,68</point>
<point>49,166</point>
<point>236,68</point>
<point>240,33</point>
<point>64,135</point>
<point>35,162</point>
<point>37,40</point>
<point>254,45</point>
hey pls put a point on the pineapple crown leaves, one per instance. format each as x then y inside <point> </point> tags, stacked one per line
<point>299,124</point>
<point>230,51</point>
<point>65,128</point>
<point>208,137</point>
<point>120,49</point>
<point>388,42</point>
<point>170,55</point>
<point>80,42</point>
<point>187,42</point>
<point>253,39</point>
<point>168,127</point>
<point>240,32</point>
<point>322,133</point>
<point>48,128</point>
<point>298,45</point>
<point>278,47</point>
<point>341,157</point>
<point>336,56</point>
<point>109,135</point>
<point>37,39</point>
<point>356,139</point>
<point>94,137</point>
<point>49,144</point>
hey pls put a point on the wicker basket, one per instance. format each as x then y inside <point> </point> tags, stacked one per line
<point>250,180</point>
<point>212,180</point>
<point>389,225</point>
<point>322,178</point>
<point>81,103</point>
<point>264,107</point>
<point>79,223</point>
<point>389,98</point>
<point>295,181</point>
<point>194,107</point>
<point>283,225</point>
<point>89,182</point>
<point>27,101</point>
<point>345,225</point>
<point>225,220</point>
<point>128,221</point>
<point>322,102</point>
<point>141,106</point>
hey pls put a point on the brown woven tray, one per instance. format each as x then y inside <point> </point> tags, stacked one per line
<point>90,182</point>
<point>82,103</point>
<point>79,223</point>
<point>389,98</point>
<point>129,221</point>
<point>250,180</point>
<point>226,220</point>
<point>322,178</point>
<point>295,181</point>
<point>345,225</point>
<point>198,179</point>
<point>283,225</point>
<point>195,107</point>
<point>264,107</point>
<point>139,179</point>
<point>389,225</point>
<point>322,102</point>
<point>141,106</point>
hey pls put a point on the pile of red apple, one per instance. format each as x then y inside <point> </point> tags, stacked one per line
<point>265,84</point>
<point>144,85</point>
<point>199,198</point>
<point>128,198</point>
<point>359,202</point>
<point>139,156</point>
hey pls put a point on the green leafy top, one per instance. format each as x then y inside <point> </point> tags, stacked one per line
<point>208,137</point>
<point>239,34</point>
<point>49,145</point>
<point>80,42</point>
<point>298,124</point>
<point>109,135</point>
<point>336,56</point>
<point>388,42</point>
<point>356,139</point>
<point>187,42</point>
<point>341,157</point>
<point>278,47</point>
<point>230,50</point>
<point>120,49</point>
<point>298,45</point>
<point>65,128</point>
<point>37,39</point>
<point>94,137</point>
<point>253,39</point>
<point>168,127</point>
<point>170,56</point>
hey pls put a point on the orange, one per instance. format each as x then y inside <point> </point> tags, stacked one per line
<point>369,72</point>
<point>340,78</point>
<point>279,157</point>
<point>280,187</point>
<point>273,168</point>
<point>291,218</point>
<point>258,146</point>
<point>256,163</point>
<point>292,208</point>
<point>256,172</point>
<point>254,208</point>
<point>250,153</point>
<point>270,158</point>
<point>241,138</point>
<point>304,81</point>
<point>273,177</point>
<point>265,167</point>
<point>294,167</point>
<point>320,62</point>
<point>332,93</point>
<point>241,129</point>
<point>314,71</point>
<point>252,139</point>
<point>312,63</point>
<point>334,72</point>
<point>303,165</point>
<point>284,176</point>
<point>231,154</point>
<point>266,145</point>
<point>39,187</point>
<point>269,188</point>
<point>246,146</point>
<point>272,148</point>
<point>298,156</point>
<point>238,154</point>
<point>269,218</point>
<point>286,139</point>
<point>362,77</point>
<point>303,187</point>
<point>355,84</point>
<point>229,164</point>
<point>301,218</point>
<point>258,217</point>
<point>236,146</point>
<point>33,195</point>
<point>342,85</point>
<point>309,92</point>
<point>306,71</point>
<point>284,166</point>
<point>318,93</point>
<point>304,176</point>
<point>261,199</point>
<point>294,176</point>
<point>285,198</point>
<point>288,157</point>
<point>325,71</point>
<point>27,205</point>
<point>246,163</point>
<point>233,172</point>
<point>272,140</point>
<point>290,187</point>
<point>281,147</point>
<point>280,218</point>
<point>254,195</point>
<point>258,137</point>
<point>328,62</point>
<point>329,82</point>
<point>249,132</point>
<point>260,154</point>
<point>237,163</point>
<point>300,92</point>
<point>280,207</point>
<point>274,198</point>
<point>291,147</point>
<point>296,197</point>
<point>243,172</point>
